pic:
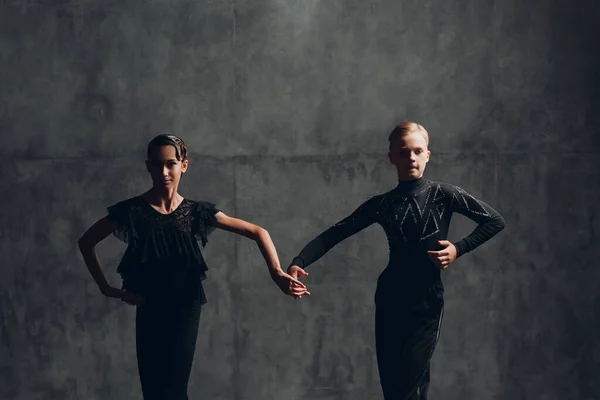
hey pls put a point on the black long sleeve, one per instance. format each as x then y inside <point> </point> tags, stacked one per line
<point>489,221</point>
<point>361,218</point>
<point>415,216</point>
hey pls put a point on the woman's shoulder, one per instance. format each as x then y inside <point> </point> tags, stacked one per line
<point>123,210</point>
<point>203,206</point>
<point>130,200</point>
<point>126,202</point>
<point>199,203</point>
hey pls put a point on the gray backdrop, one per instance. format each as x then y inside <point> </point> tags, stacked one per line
<point>286,106</point>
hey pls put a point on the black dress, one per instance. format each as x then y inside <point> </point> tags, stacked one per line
<point>163,264</point>
<point>409,296</point>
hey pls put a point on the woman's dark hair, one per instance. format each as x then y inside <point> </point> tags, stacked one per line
<point>166,139</point>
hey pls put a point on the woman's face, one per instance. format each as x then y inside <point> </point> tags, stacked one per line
<point>164,167</point>
<point>409,155</point>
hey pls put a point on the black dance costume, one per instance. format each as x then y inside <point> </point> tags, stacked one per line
<point>409,296</point>
<point>163,264</point>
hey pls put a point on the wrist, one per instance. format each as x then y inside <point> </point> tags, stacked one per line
<point>297,261</point>
<point>460,248</point>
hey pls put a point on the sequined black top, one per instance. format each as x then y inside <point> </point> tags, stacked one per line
<point>163,260</point>
<point>414,215</point>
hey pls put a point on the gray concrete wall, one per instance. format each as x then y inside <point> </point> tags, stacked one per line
<point>286,106</point>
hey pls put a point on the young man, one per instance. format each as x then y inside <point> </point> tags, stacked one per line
<point>409,297</point>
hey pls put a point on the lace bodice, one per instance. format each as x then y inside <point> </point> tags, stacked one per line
<point>163,253</point>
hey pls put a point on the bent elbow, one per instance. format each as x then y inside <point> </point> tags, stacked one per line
<point>260,233</point>
<point>84,244</point>
<point>500,223</point>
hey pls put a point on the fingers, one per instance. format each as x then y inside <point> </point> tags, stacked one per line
<point>297,282</point>
<point>294,289</point>
<point>299,292</point>
<point>289,278</point>
<point>303,272</point>
<point>290,284</point>
<point>438,253</point>
<point>296,272</point>
<point>441,262</point>
<point>298,289</point>
<point>299,296</point>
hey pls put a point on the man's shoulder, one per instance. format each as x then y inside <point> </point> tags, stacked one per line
<point>442,185</point>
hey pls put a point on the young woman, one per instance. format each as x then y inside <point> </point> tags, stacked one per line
<point>162,268</point>
<point>409,297</point>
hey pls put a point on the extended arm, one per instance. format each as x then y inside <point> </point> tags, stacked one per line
<point>355,222</point>
<point>286,283</point>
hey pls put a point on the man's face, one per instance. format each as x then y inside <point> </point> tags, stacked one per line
<point>409,155</point>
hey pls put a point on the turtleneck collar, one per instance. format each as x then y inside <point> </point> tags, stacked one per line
<point>410,186</point>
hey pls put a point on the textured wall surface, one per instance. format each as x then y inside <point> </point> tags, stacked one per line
<point>285,107</point>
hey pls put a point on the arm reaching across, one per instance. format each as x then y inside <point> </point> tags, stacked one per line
<point>288,284</point>
<point>361,218</point>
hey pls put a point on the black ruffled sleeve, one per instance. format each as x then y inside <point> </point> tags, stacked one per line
<point>205,220</point>
<point>119,214</point>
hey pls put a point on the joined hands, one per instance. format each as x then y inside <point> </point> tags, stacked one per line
<point>289,284</point>
<point>296,272</point>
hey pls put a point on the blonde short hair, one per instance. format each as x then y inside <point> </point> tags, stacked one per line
<point>405,128</point>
